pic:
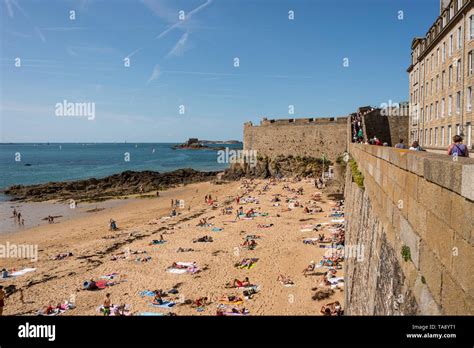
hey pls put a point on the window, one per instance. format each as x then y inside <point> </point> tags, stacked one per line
<point>471,27</point>
<point>450,133</point>
<point>450,105</point>
<point>443,78</point>
<point>442,136</point>
<point>451,12</point>
<point>450,76</point>
<point>421,136</point>
<point>459,4</point>
<point>458,102</point>
<point>426,136</point>
<point>444,51</point>
<point>431,136</point>
<point>469,99</point>
<point>431,112</point>
<point>458,129</point>
<point>436,136</point>
<point>437,57</point>
<point>468,134</point>
<point>469,63</point>
<point>442,107</point>
<point>436,111</point>
<point>459,38</point>
<point>450,49</point>
<point>437,82</point>
<point>458,70</point>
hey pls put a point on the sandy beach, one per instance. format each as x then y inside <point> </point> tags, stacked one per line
<point>280,251</point>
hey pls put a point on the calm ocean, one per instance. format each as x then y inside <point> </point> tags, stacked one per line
<point>41,163</point>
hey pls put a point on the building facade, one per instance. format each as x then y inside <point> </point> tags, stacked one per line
<point>441,78</point>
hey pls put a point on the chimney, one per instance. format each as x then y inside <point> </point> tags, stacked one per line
<point>443,4</point>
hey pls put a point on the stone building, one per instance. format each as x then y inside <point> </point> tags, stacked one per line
<point>441,78</point>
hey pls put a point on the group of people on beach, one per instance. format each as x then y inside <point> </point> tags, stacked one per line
<point>18,217</point>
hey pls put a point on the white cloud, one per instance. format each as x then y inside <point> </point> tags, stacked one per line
<point>155,73</point>
<point>187,17</point>
<point>40,34</point>
<point>180,46</point>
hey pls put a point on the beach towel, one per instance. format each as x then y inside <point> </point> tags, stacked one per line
<point>110,276</point>
<point>155,242</point>
<point>146,293</point>
<point>22,272</point>
<point>231,314</point>
<point>101,284</point>
<point>177,270</point>
<point>336,280</point>
<point>150,314</point>
<point>166,304</point>
<point>337,220</point>
<point>216,229</point>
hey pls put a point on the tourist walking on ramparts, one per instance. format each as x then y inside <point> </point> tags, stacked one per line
<point>457,148</point>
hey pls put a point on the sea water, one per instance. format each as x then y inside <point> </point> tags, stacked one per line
<point>41,163</point>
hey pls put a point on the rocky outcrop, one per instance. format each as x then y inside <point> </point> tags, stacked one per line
<point>125,183</point>
<point>285,166</point>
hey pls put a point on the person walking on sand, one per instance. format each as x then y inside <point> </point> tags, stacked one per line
<point>107,305</point>
<point>2,300</point>
<point>457,148</point>
<point>19,218</point>
<point>22,299</point>
<point>14,213</point>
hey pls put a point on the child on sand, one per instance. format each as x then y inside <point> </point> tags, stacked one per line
<point>107,305</point>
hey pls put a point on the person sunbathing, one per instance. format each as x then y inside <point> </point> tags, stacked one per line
<point>230,299</point>
<point>285,280</point>
<point>184,250</point>
<point>62,256</point>
<point>177,266</point>
<point>238,283</point>
<point>331,309</point>
<point>311,268</point>
<point>249,243</point>
<point>200,302</point>
<point>157,300</point>
<point>264,225</point>
<point>249,213</point>
<point>205,239</point>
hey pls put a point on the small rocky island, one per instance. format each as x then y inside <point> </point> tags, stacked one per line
<point>196,144</point>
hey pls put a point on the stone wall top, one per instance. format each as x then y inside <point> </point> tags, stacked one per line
<point>299,121</point>
<point>454,175</point>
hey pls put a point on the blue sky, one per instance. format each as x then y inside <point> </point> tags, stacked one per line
<point>190,62</point>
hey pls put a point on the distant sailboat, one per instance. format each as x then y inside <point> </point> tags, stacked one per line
<point>60,147</point>
<point>153,151</point>
<point>136,146</point>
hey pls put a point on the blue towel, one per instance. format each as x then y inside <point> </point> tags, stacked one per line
<point>216,229</point>
<point>147,293</point>
<point>166,304</point>
<point>149,314</point>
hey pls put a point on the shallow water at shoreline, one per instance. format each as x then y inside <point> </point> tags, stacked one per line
<point>34,212</point>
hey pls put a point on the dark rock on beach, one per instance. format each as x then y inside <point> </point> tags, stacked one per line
<point>126,183</point>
